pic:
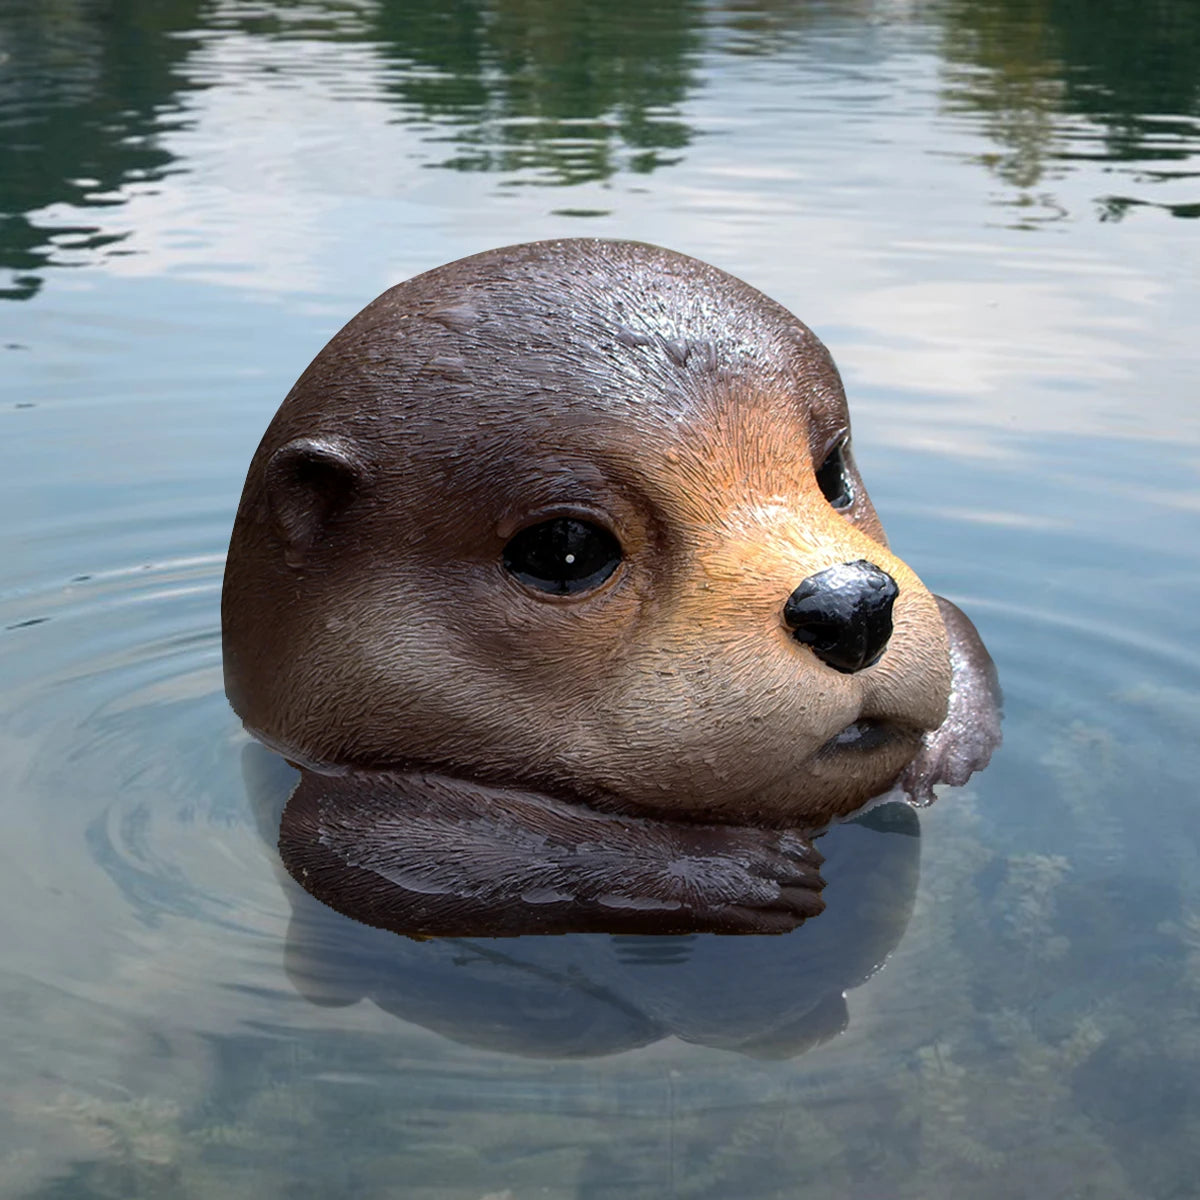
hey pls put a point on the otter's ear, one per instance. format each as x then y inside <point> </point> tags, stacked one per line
<point>308,482</point>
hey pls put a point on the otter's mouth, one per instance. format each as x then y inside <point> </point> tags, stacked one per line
<point>866,734</point>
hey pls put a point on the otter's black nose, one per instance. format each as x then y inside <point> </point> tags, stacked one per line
<point>844,614</point>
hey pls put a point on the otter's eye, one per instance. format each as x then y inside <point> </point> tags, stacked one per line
<point>834,479</point>
<point>562,556</point>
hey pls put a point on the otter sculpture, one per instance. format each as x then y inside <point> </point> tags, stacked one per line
<point>555,576</point>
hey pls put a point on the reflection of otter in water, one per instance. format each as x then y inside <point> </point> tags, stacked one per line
<point>582,995</point>
<point>555,573</point>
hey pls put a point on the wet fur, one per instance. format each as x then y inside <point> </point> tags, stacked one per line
<point>372,634</point>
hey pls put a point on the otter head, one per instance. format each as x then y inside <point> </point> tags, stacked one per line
<point>581,517</point>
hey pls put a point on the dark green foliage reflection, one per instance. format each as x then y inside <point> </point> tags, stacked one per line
<point>566,93</point>
<point>1033,67</point>
<point>86,93</point>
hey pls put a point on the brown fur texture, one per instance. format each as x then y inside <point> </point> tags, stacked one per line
<point>370,626</point>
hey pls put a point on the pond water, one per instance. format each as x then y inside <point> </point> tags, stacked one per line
<point>986,209</point>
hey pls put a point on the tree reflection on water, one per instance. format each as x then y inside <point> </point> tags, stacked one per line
<point>566,92</point>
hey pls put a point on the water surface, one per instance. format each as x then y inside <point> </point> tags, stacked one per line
<point>987,211</point>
